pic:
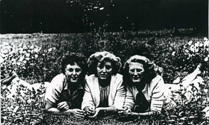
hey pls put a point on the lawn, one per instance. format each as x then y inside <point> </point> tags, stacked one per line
<point>36,59</point>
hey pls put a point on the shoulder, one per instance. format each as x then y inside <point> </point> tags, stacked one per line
<point>90,77</point>
<point>157,81</point>
<point>117,77</point>
<point>58,80</point>
<point>117,80</point>
<point>60,76</point>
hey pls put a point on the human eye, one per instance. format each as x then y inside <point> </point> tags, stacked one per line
<point>138,70</point>
<point>77,69</point>
<point>131,70</point>
<point>100,66</point>
<point>108,67</point>
<point>70,70</point>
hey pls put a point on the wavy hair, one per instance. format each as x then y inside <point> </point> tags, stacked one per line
<point>72,58</point>
<point>149,69</point>
<point>97,57</point>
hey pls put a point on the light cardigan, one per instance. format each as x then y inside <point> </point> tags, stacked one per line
<point>153,92</point>
<point>92,92</point>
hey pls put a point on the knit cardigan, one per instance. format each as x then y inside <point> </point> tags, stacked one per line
<point>153,92</point>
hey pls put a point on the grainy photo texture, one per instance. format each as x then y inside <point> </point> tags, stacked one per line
<point>104,62</point>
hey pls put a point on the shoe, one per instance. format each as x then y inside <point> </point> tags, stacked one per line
<point>199,69</point>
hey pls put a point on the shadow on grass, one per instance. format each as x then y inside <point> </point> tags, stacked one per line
<point>102,119</point>
<point>114,119</point>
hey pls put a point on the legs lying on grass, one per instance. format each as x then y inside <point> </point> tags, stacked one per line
<point>188,88</point>
<point>8,80</point>
<point>186,82</point>
<point>191,79</point>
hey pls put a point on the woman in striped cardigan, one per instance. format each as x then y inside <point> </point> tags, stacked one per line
<point>146,88</point>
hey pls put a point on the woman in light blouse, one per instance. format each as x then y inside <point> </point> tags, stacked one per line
<point>104,90</point>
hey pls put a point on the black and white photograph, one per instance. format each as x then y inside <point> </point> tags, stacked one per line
<point>104,62</point>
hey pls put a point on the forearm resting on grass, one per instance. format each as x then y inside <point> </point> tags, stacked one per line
<point>62,106</point>
<point>141,114</point>
<point>96,111</point>
<point>146,113</point>
<point>127,111</point>
<point>108,109</point>
<point>76,112</point>
<point>49,107</point>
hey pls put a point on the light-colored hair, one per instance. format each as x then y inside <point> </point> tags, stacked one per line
<point>99,57</point>
<point>149,68</point>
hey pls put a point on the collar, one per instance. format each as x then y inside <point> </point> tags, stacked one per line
<point>80,87</point>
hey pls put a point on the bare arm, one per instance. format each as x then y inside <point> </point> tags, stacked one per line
<point>149,113</point>
<point>105,109</point>
<point>108,109</point>
<point>145,113</point>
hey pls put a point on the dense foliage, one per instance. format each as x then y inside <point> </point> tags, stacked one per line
<point>37,58</point>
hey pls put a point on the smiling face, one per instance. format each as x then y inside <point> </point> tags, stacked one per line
<point>104,70</point>
<point>136,72</point>
<point>73,72</point>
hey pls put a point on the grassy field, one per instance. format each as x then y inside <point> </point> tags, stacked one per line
<point>36,59</point>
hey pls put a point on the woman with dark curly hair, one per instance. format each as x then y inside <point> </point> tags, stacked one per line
<point>104,90</point>
<point>65,92</point>
<point>147,89</point>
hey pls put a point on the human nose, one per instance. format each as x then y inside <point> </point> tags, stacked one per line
<point>104,69</point>
<point>135,72</point>
<point>74,72</point>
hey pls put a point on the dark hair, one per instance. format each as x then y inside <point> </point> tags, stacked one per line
<point>72,58</point>
<point>149,70</point>
<point>97,57</point>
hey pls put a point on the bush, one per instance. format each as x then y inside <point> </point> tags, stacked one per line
<point>37,58</point>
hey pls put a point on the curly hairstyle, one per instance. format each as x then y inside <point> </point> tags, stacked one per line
<point>97,57</point>
<point>149,69</point>
<point>72,58</point>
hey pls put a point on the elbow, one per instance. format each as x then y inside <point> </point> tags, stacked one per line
<point>48,104</point>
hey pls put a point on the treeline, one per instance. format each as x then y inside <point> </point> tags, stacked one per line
<point>64,16</point>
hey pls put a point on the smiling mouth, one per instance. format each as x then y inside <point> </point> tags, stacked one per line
<point>135,77</point>
<point>74,77</point>
<point>103,75</point>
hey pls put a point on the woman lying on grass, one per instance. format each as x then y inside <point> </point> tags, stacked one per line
<point>147,88</point>
<point>66,90</point>
<point>104,90</point>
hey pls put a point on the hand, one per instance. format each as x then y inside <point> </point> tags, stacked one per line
<point>63,105</point>
<point>96,113</point>
<point>78,113</point>
<point>125,111</point>
<point>89,110</point>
